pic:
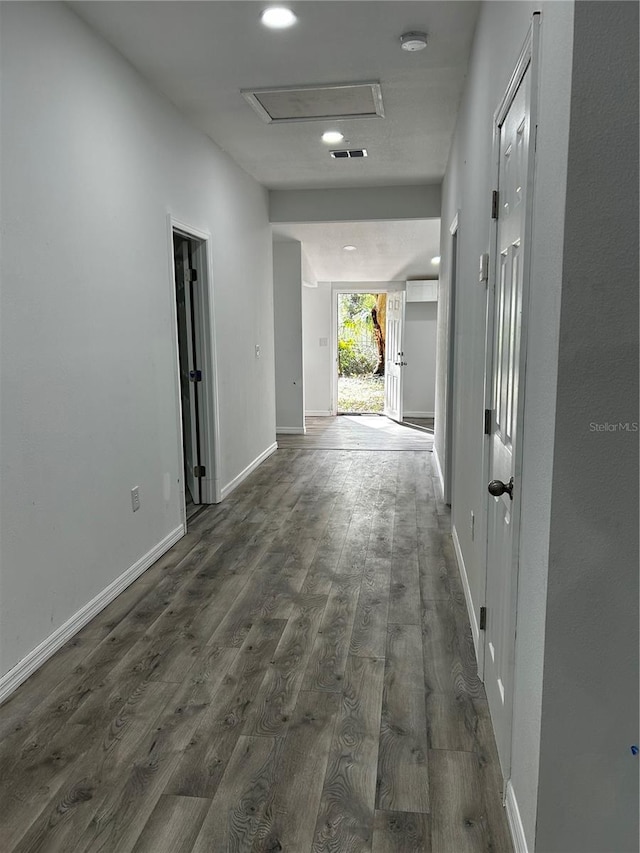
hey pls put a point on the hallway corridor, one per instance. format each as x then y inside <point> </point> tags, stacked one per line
<point>296,674</point>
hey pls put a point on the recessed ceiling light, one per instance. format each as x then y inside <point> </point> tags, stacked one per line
<point>349,248</point>
<point>413,41</point>
<point>331,137</point>
<point>435,261</point>
<point>278,18</point>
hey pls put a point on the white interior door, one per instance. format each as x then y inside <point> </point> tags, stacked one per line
<point>394,356</point>
<point>188,368</point>
<point>502,548</point>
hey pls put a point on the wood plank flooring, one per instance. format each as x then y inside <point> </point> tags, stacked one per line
<point>296,674</point>
<point>424,423</point>
<point>357,432</point>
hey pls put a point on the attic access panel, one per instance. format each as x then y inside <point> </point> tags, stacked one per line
<point>317,103</point>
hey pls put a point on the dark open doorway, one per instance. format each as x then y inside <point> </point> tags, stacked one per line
<point>196,363</point>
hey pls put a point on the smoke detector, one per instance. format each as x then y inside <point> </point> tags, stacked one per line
<point>413,41</point>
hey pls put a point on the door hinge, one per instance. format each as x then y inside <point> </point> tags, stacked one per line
<point>495,200</point>
<point>199,471</point>
<point>195,376</point>
<point>483,618</point>
<point>192,275</point>
<point>488,421</point>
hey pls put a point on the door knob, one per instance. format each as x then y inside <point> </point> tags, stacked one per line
<point>497,488</point>
<point>400,363</point>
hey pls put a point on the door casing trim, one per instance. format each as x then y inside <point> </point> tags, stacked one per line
<point>450,388</point>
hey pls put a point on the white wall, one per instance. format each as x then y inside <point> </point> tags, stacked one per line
<point>500,33</point>
<point>540,397</point>
<point>419,381</point>
<point>92,163</point>
<point>287,306</point>
<point>588,790</point>
<point>309,277</point>
<point>574,780</point>
<point>356,204</point>
<point>318,359</point>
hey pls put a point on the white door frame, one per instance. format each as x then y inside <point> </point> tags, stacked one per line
<point>528,58</point>
<point>450,388</point>
<point>338,288</point>
<point>204,313</point>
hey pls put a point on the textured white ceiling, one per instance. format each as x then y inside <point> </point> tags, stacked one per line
<point>385,251</point>
<point>201,54</point>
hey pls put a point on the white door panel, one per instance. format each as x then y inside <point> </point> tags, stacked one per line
<point>394,356</point>
<point>502,562</point>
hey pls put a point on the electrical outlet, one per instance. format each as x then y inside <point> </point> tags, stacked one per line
<point>473,526</point>
<point>257,350</point>
<point>135,498</point>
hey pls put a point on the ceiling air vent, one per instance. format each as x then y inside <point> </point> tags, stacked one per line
<point>317,103</point>
<point>349,153</point>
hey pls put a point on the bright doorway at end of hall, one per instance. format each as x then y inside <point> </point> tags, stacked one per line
<point>361,353</point>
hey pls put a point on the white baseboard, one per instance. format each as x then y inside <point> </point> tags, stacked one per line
<point>29,664</point>
<point>515,822</point>
<point>475,628</point>
<point>418,414</point>
<point>324,413</point>
<point>226,490</point>
<point>291,430</point>
<point>438,467</point>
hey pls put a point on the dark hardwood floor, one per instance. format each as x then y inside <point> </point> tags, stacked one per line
<point>296,674</point>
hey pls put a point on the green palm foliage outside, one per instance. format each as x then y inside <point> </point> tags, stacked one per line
<point>357,351</point>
